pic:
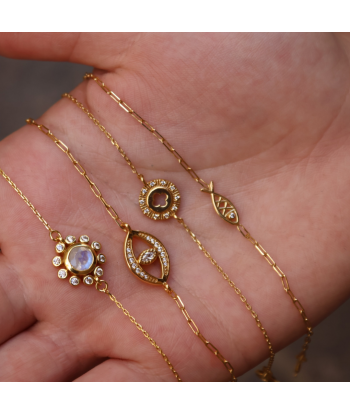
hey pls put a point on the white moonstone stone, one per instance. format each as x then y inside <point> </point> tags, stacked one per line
<point>81,258</point>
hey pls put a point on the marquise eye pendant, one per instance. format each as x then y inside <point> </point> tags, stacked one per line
<point>79,260</point>
<point>148,256</point>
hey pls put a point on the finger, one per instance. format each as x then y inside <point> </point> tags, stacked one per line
<point>113,370</point>
<point>82,48</point>
<point>43,353</point>
<point>15,313</point>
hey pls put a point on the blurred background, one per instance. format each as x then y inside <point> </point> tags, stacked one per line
<point>28,89</point>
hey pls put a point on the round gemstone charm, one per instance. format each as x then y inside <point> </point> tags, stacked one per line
<point>79,259</point>
<point>162,189</point>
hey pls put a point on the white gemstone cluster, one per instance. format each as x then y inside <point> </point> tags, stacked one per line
<point>80,259</point>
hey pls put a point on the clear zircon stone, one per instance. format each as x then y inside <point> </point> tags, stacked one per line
<point>57,261</point>
<point>60,247</point>
<point>62,273</point>
<point>74,281</point>
<point>88,280</point>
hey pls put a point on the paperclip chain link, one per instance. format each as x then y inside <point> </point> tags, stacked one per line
<point>95,190</point>
<point>301,356</point>
<point>151,129</point>
<point>196,331</point>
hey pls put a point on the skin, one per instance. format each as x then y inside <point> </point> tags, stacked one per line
<point>265,116</point>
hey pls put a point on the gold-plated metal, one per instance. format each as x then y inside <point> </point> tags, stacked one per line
<point>196,331</point>
<point>223,207</point>
<point>144,203</point>
<point>159,187</point>
<point>98,281</point>
<point>219,207</point>
<point>144,332</point>
<point>165,265</point>
<point>301,356</point>
<point>135,265</point>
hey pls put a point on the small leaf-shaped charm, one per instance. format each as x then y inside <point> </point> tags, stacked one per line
<point>147,257</point>
<point>223,207</point>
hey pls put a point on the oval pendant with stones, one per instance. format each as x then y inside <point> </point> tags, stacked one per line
<point>80,260</point>
<point>157,211</point>
<point>148,256</point>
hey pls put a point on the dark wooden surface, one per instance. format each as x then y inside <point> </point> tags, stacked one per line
<point>28,88</point>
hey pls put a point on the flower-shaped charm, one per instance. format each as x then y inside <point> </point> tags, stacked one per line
<point>157,211</point>
<point>78,260</point>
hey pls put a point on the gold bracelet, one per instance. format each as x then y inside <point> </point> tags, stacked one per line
<point>136,264</point>
<point>169,210</point>
<point>79,260</point>
<point>225,209</point>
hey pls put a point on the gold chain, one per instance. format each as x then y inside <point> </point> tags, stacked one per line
<point>196,331</point>
<point>26,200</point>
<point>63,147</point>
<point>301,357</point>
<point>152,130</point>
<point>106,133</point>
<point>105,290</point>
<point>144,332</point>
<point>265,373</point>
<point>95,190</point>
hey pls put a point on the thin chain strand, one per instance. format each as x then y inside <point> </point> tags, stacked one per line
<point>301,357</point>
<point>95,190</point>
<point>265,373</point>
<point>116,218</point>
<point>144,332</point>
<point>26,200</point>
<point>196,331</point>
<point>151,129</point>
<point>105,132</point>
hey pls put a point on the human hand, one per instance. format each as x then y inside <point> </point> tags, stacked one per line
<point>264,117</point>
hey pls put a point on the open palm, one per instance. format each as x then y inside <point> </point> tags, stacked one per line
<point>263,116</point>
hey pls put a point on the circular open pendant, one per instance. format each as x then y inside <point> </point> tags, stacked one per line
<point>157,211</point>
<point>79,259</point>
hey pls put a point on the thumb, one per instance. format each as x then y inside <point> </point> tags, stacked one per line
<point>102,50</point>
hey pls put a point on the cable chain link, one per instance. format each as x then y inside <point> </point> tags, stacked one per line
<point>151,129</point>
<point>32,207</point>
<point>266,369</point>
<point>105,132</point>
<point>301,357</point>
<point>144,332</point>
<point>95,190</point>
<point>196,331</point>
